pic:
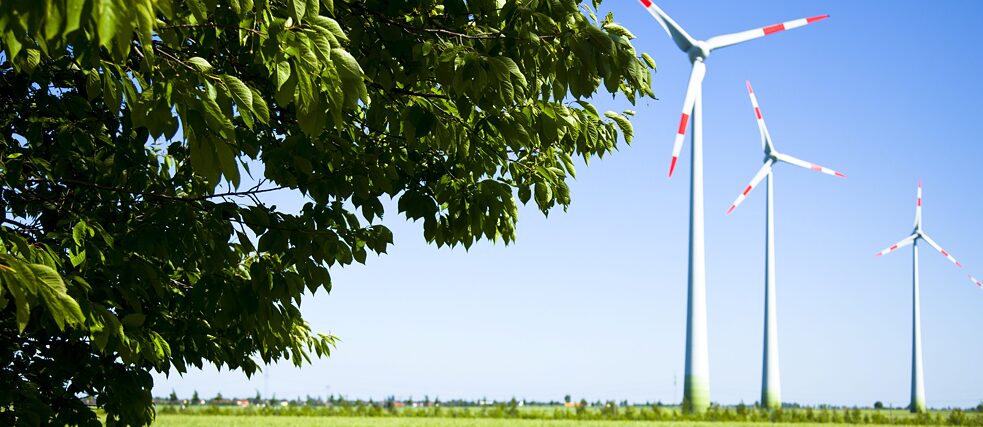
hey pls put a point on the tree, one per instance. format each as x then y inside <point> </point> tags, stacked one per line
<point>173,397</point>
<point>194,398</point>
<point>139,138</point>
<point>878,405</point>
<point>566,399</point>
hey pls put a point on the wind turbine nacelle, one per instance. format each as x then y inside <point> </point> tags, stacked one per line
<point>699,51</point>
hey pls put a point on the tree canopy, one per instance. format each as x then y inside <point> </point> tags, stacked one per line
<point>135,236</point>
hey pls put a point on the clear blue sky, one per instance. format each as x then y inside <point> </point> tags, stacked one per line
<point>591,302</point>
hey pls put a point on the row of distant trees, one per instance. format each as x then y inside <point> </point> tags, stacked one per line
<point>392,402</point>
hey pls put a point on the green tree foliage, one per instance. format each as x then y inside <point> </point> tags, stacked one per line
<point>138,138</point>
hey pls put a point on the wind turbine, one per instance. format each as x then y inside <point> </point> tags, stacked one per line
<point>771,391</point>
<point>917,372</point>
<point>696,383</point>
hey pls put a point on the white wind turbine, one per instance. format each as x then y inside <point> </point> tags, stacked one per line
<point>696,383</point>
<point>917,372</point>
<point>771,391</point>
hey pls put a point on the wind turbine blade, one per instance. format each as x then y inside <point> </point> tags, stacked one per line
<point>762,173</point>
<point>804,164</point>
<point>976,282</point>
<point>694,88</point>
<point>762,128</point>
<point>905,242</point>
<point>941,251</point>
<point>741,37</point>
<point>918,208</point>
<point>682,39</point>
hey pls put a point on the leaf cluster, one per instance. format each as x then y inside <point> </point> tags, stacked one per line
<point>138,139</point>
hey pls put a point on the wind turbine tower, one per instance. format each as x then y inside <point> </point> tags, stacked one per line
<point>917,371</point>
<point>771,390</point>
<point>696,382</point>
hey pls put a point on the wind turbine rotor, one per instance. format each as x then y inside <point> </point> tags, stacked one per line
<point>976,282</point>
<point>758,177</point>
<point>804,164</point>
<point>905,242</point>
<point>939,248</point>
<point>762,128</point>
<point>678,34</point>
<point>918,207</point>
<point>692,90</point>
<point>743,36</point>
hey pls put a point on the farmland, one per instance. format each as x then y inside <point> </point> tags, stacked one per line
<point>372,416</point>
<point>275,421</point>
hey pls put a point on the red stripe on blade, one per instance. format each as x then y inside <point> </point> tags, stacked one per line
<point>731,209</point>
<point>893,247</point>
<point>758,112</point>
<point>774,28</point>
<point>747,190</point>
<point>944,253</point>
<point>682,124</point>
<point>816,168</point>
<point>672,167</point>
<point>646,3</point>
<point>808,20</point>
<point>840,175</point>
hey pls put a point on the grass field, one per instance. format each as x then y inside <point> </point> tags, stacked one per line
<point>279,421</point>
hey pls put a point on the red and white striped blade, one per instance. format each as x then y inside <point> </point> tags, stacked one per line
<point>679,36</point>
<point>976,282</point>
<point>762,173</point>
<point>811,166</point>
<point>762,128</point>
<point>743,36</point>
<point>918,208</point>
<point>905,242</point>
<point>941,251</point>
<point>692,90</point>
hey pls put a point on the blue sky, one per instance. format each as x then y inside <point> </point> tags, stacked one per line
<point>591,302</point>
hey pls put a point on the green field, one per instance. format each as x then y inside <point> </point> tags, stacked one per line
<point>277,421</point>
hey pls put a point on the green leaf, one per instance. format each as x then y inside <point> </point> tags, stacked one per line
<point>619,30</point>
<point>241,93</point>
<point>282,73</point>
<point>544,195</point>
<point>297,9</point>
<point>12,43</point>
<point>648,60</point>
<point>332,26</point>
<point>525,193</point>
<point>328,5</point>
<point>513,68</point>
<point>73,15</point>
<point>53,21</point>
<point>322,44</point>
<point>30,60</point>
<point>200,64</point>
<point>111,92</point>
<point>109,17</point>
<point>260,108</point>
<point>133,320</point>
<point>623,123</point>
<point>589,107</point>
<point>93,84</point>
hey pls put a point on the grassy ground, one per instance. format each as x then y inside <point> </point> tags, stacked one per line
<point>279,421</point>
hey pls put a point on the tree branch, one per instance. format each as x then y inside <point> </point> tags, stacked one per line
<point>251,192</point>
